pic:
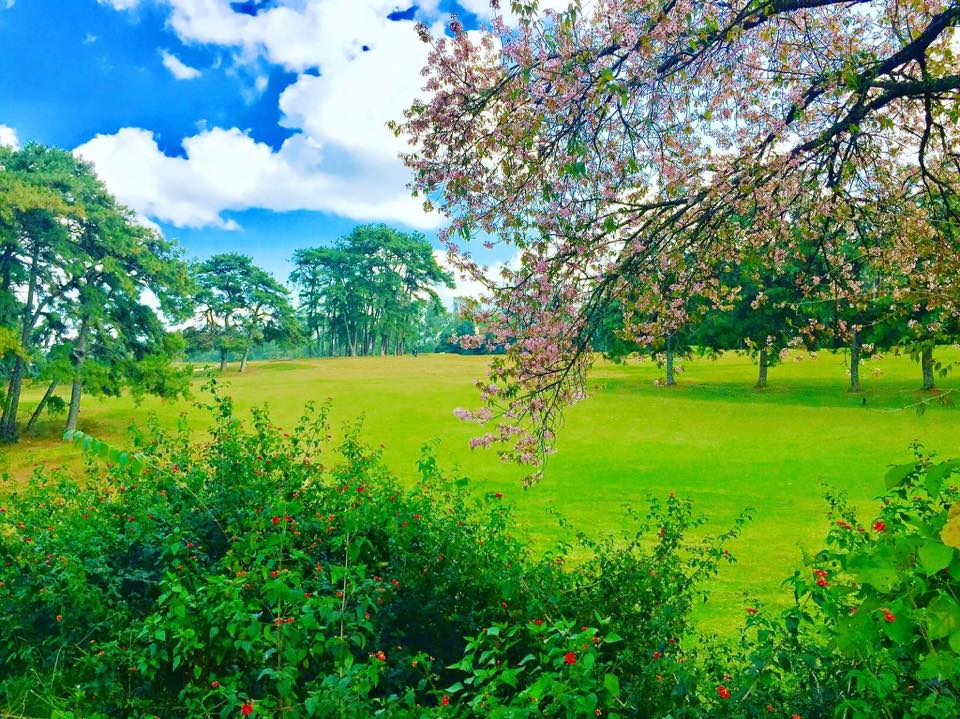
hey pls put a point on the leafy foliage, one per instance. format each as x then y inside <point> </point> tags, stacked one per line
<point>262,569</point>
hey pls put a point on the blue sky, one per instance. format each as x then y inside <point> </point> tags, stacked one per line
<point>254,126</point>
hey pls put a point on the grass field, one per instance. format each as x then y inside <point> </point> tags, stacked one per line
<point>712,438</point>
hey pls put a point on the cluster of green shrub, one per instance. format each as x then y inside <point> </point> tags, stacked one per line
<point>269,574</point>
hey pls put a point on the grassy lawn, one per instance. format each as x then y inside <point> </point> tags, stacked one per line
<point>712,438</point>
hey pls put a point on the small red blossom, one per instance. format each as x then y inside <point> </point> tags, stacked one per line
<point>879,526</point>
<point>751,610</point>
<point>275,520</point>
<point>656,655</point>
<point>246,709</point>
<point>59,617</point>
<point>498,495</point>
<point>723,692</point>
<point>821,582</point>
<point>888,616</point>
<point>570,658</point>
<point>538,622</point>
<point>215,684</point>
<point>445,700</point>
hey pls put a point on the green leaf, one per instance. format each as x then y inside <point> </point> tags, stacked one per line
<point>934,556</point>
<point>612,637</point>
<point>898,474</point>
<point>612,684</point>
<point>943,616</point>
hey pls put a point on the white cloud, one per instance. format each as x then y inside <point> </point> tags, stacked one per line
<point>120,4</point>
<point>228,170</point>
<point>178,68</point>
<point>8,137</point>
<point>481,8</point>
<point>467,286</point>
<point>343,158</point>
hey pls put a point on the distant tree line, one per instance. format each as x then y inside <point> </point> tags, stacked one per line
<point>94,301</point>
<point>764,308</point>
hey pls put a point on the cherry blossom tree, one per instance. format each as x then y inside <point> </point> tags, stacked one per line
<point>625,135</point>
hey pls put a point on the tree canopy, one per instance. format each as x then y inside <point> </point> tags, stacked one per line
<point>631,136</point>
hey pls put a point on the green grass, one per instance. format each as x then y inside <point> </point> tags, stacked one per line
<point>712,438</point>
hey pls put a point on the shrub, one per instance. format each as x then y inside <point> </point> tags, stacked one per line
<point>262,573</point>
<point>874,630</point>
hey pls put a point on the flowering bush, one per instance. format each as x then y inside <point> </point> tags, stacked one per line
<point>875,626</point>
<point>261,574</point>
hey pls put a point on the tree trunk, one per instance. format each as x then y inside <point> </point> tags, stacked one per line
<point>223,360</point>
<point>40,407</point>
<point>671,380</point>
<point>926,364</point>
<point>243,360</point>
<point>76,391</point>
<point>762,376</point>
<point>8,422</point>
<point>855,362</point>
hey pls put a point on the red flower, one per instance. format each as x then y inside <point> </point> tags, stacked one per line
<point>795,716</point>
<point>445,700</point>
<point>569,658</point>
<point>275,520</point>
<point>246,709</point>
<point>538,622</point>
<point>274,573</point>
<point>498,495</point>
<point>59,617</point>
<point>822,582</point>
<point>819,573</point>
<point>888,616</point>
<point>215,684</point>
<point>879,526</point>
<point>750,610</point>
<point>723,692</point>
<point>656,655</point>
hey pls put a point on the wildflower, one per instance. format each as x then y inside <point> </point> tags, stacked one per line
<point>445,700</point>
<point>723,692</point>
<point>381,656</point>
<point>821,582</point>
<point>275,520</point>
<point>819,573</point>
<point>888,616</point>
<point>570,658</point>
<point>498,495</point>
<point>215,684</point>
<point>307,595</point>
<point>795,716</point>
<point>537,622</point>
<point>879,526</point>
<point>656,655</point>
<point>246,709</point>
<point>59,617</point>
<point>274,573</point>
<point>751,610</point>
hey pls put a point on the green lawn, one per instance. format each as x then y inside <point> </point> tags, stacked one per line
<point>712,438</point>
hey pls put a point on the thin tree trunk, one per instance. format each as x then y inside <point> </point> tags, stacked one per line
<point>223,360</point>
<point>40,407</point>
<point>762,376</point>
<point>855,362</point>
<point>243,360</point>
<point>671,380</point>
<point>8,423</point>
<point>926,364</point>
<point>76,391</point>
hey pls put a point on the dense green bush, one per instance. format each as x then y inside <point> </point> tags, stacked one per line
<point>262,573</point>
